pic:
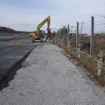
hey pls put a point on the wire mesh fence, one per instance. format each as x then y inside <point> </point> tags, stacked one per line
<point>99,44</point>
<point>84,42</point>
<point>84,37</point>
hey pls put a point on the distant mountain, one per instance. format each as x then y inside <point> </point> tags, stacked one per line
<point>10,30</point>
<point>7,29</point>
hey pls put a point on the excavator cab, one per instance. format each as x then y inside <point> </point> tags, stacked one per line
<point>42,34</point>
<point>37,37</point>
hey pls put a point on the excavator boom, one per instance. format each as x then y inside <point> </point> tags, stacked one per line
<point>42,23</point>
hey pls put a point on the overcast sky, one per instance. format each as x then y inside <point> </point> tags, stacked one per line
<point>27,14</point>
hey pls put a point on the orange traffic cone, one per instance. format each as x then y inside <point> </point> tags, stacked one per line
<point>13,43</point>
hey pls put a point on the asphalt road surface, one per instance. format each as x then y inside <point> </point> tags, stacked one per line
<point>13,53</point>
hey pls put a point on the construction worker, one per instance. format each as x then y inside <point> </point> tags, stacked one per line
<point>48,34</point>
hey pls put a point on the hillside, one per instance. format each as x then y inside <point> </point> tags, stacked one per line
<point>7,29</point>
<point>10,30</point>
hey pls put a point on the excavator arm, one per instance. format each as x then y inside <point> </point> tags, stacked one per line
<point>42,23</point>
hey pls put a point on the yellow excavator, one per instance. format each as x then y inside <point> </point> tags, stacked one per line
<point>39,34</point>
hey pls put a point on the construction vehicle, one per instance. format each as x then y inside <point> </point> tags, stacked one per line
<point>42,34</point>
<point>39,34</point>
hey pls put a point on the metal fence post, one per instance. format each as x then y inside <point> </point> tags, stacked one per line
<point>60,37</point>
<point>77,35</point>
<point>79,51</point>
<point>63,37</point>
<point>68,39</point>
<point>55,37</point>
<point>100,63</point>
<point>92,37</point>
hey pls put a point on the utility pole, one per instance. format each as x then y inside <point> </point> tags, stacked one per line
<point>92,37</point>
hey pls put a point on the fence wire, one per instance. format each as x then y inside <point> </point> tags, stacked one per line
<point>67,39</point>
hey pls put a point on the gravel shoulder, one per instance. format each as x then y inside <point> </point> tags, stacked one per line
<point>48,77</point>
